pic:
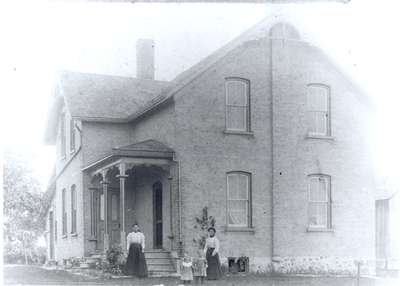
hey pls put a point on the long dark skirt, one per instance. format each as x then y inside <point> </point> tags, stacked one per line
<point>136,262</point>
<point>214,266</point>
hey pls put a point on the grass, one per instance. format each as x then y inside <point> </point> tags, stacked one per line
<point>35,275</point>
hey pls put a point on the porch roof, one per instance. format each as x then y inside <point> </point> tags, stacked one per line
<point>148,149</point>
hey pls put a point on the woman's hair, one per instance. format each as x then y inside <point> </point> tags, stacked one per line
<point>211,228</point>
<point>135,224</point>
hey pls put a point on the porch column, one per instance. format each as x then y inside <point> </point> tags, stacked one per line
<point>105,190</point>
<point>171,206</point>
<point>122,178</point>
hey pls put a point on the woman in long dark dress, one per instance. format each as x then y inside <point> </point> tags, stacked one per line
<point>136,262</point>
<point>211,250</point>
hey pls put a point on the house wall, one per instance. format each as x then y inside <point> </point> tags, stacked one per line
<point>68,173</point>
<point>70,245</point>
<point>346,158</point>
<point>98,138</point>
<point>276,153</point>
<point>206,153</point>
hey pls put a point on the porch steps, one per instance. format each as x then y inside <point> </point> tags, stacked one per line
<point>159,263</point>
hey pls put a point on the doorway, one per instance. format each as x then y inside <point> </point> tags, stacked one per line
<point>157,216</point>
<point>382,232</point>
<point>51,224</point>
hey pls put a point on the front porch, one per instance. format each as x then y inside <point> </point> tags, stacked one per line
<point>134,184</point>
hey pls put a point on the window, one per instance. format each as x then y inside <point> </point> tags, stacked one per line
<point>239,199</point>
<point>73,209</point>
<point>62,134</point>
<point>55,230</point>
<point>114,207</point>
<point>72,135</point>
<point>237,101</point>
<point>64,213</point>
<point>319,201</point>
<point>55,222</point>
<point>318,101</point>
<point>101,207</point>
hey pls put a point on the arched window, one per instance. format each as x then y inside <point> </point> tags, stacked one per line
<point>237,101</point>
<point>238,185</point>
<point>72,135</point>
<point>73,209</point>
<point>63,135</point>
<point>64,212</point>
<point>319,116</point>
<point>319,201</point>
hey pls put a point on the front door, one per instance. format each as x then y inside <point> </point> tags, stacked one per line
<point>113,218</point>
<point>51,230</point>
<point>381,231</point>
<point>98,207</point>
<point>157,216</point>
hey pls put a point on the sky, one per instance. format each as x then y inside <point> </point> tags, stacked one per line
<point>43,37</point>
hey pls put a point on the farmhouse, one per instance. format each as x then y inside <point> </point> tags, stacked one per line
<point>266,133</point>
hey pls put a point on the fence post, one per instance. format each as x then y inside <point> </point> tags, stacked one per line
<point>358,264</point>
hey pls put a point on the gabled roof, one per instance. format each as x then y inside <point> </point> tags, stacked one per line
<point>102,98</point>
<point>147,146</point>
<point>97,97</point>
<point>144,149</point>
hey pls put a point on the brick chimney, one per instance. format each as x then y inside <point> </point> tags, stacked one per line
<point>145,59</point>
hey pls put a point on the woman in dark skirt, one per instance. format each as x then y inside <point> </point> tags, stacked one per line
<point>211,250</point>
<point>136,262</point>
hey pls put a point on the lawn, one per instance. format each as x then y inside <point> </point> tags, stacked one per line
<point>35,275</point>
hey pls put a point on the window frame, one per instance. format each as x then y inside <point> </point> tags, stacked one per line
<point>246,107</point>
<point>73,209</point>
<point>72,135</point>
<point>249,213</point>
<point>327,112</point>
<point>63,139</point>
<point>327,202</point>
<point>64,212</point>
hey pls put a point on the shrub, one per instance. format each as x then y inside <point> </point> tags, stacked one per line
<point>202,224</point>
<point>115,258</point>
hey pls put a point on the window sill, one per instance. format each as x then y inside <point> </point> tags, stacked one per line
<point>319,229</point>
<point>233,132</point>
<point>239,229</point>
<point>323,137</point>
<point>92,239</point>
<point>74,234</point>
<point>64,236</point>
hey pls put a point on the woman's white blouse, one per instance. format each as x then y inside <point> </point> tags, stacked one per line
<point>135,237</point>
<point>212,242</point>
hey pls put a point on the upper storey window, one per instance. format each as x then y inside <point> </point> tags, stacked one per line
<point>63,135</point>
<point>237,103</point>
<point>72,135</point>
<point>318,101</point>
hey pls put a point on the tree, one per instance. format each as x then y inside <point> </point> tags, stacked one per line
<point>202,224</point>
<point>25,206</point>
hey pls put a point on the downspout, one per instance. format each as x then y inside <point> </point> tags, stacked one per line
<point>179,201</point>
<point>272,148</point>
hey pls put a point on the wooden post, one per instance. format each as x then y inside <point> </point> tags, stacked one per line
<point>105,190</point>
<point>122,178</point>
<point>171,236</point>
<point>358,273</point>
